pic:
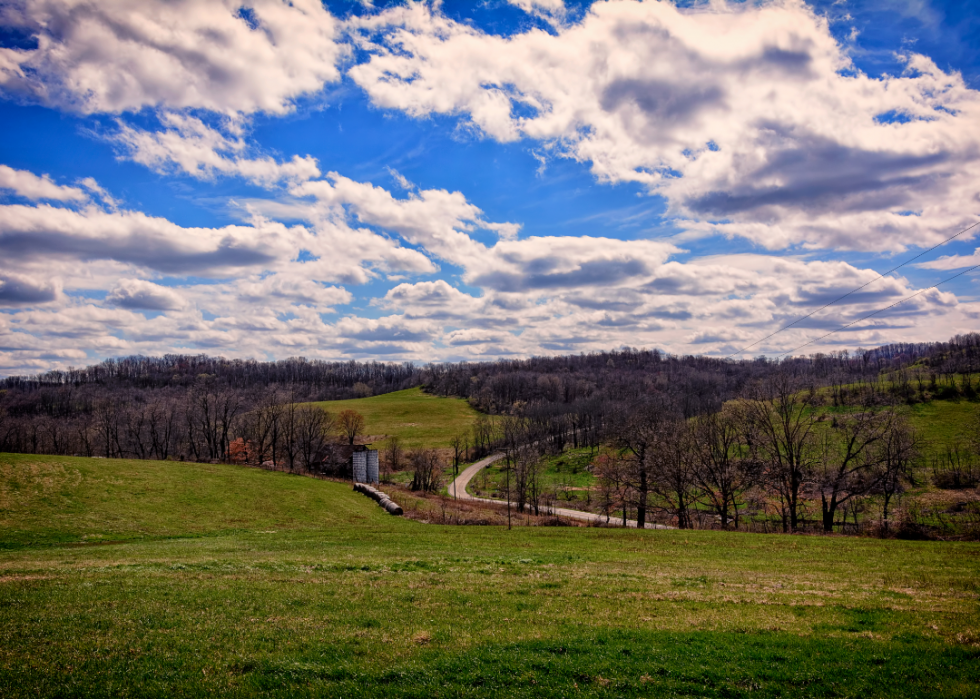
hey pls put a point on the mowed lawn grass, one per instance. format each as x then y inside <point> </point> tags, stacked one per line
<point>417,418</point>
<point>226,581</point>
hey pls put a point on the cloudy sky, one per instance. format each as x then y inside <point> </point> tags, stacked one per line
<point>469,180</point>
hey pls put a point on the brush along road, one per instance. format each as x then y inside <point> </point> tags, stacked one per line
<point>458,489</point>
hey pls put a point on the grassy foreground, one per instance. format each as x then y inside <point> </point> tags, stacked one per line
<point>417,418</point>
<point>129,578</point>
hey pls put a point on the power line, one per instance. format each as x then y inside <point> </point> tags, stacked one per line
<point>881,310</point>
<point>854,291</point>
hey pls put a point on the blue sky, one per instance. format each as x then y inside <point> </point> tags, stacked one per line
<point>458,180</point>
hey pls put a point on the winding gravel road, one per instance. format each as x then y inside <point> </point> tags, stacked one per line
<point>458,488</point>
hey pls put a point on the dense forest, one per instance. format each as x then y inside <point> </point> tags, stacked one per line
<point>690,434</point>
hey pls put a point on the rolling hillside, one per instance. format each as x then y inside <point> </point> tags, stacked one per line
<point>417,418</point>
<point>162,579</point>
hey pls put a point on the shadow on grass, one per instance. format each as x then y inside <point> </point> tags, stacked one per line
<point>623,664</point>
<point>604,664</point>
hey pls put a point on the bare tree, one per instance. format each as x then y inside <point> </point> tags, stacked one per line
<point>671,471</point>
<point>427,464</point>
<point>290,443</point>
<point>272,414</point>
<point>107,423</point>
<point>164,419</point>
<point>849,460</point>
<point>529,463</point>
<point>136,426</point>
<point>260,430</point>
<point>84,437</point>
<point>59,436</point>
<point>613,475</point>
<point>391,456</point>
<point>638,429</point>
<point>780,422</point>
<point>483,435</point>
<point>313,428</point>
<point>899,453</point>
<point>351,424</point>
<point>723,467</point>
<point>525,466</point>
<point>459,443</point>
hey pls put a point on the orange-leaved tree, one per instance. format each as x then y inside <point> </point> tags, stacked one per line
<point>351,424</point>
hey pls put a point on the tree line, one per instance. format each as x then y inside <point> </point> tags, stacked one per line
<point>783,456</point>
<point>692,435</point>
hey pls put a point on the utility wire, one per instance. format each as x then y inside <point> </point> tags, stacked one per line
<point>854,291</point>
<point>881,310</point>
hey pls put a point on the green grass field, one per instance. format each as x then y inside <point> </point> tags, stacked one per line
<point>417,418</point>
<point>943,422</point>
<point>129,578</point>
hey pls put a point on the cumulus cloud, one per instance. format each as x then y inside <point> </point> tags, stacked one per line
<point>29,233</point>
<point>226,56</point>
<point>292,289</point>
<point>390,329</point>
<point>187,144</point>
<point>283,315</point>
<point>435,298</point>
<point>133,237</point>
<point>436,219</point>
<point>27,184</point>
<point>139,294</point>
<point>540,263</point>
<point>22,290</point>
<point>441,223</point>
<point>749,118</point>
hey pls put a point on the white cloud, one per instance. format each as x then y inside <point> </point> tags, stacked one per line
<point>95,188</point>
<point>402,181</point>
<point>551,11</point>
<point>191,146</point>
<point>281,315</point>
<point>441,222</point>
<point>551,263</point>
<point>953,261</point>
<point>25,290</point>
<point>750,119</point>
<point>31,232</point>
<point>34,234</point>
<point>432,218</point>
<point>292,289</point>
<point>139,294</point>
<point>227,56</point>
<point>31,186</point>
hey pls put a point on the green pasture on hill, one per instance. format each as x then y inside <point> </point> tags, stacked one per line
<point>417,418</point>
<point>137,578</point>
<point>942,423</point>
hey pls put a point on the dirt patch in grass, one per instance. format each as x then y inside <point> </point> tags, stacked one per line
<point>431,508</point>
<point>23,578</point>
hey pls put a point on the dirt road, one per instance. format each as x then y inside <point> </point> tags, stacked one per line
<point>458,488</point>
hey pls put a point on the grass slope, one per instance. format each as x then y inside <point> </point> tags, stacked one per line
<point>49,500</point>
<point>944,422</point>
<point>238,582</point>
<point>417,418</point>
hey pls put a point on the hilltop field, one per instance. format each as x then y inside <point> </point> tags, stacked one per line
<point>415,417</point>
<point>157,578</point>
